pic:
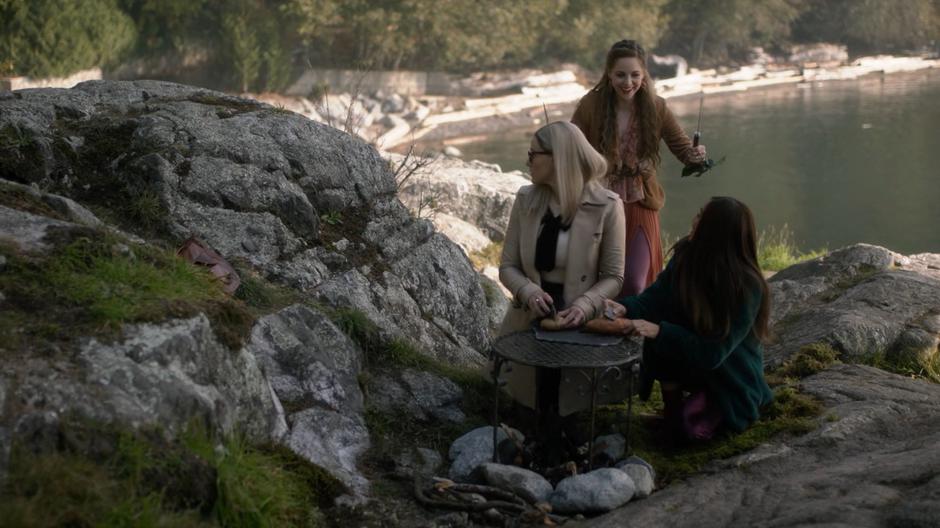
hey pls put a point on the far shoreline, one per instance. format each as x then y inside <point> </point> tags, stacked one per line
<point>473,130</point>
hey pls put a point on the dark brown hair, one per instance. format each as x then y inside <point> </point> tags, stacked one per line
<point>716,271</point>
<point>644,105</point>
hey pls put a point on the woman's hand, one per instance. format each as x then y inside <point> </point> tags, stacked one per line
<point>613,309</point>
<point>571,317</point>
<point>698,154</point>
<point>541,304</point>
<point>645,329</point>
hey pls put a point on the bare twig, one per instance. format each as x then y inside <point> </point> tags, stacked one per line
<point>406,173</point>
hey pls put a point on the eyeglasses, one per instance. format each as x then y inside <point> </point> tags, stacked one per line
<point>534,153</point>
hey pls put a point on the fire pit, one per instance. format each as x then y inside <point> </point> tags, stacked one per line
<point>598,358</point>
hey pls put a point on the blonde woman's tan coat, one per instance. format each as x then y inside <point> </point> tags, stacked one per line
<point>594,272</point>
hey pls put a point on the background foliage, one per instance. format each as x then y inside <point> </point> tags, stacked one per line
<point>261,44</point>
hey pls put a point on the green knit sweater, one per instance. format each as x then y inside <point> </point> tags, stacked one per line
<point>732,369</point>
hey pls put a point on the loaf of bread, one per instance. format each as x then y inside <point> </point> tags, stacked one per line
<point>551,324</point>
<point>607,326</point>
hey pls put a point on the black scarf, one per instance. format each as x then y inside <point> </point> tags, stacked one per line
<point>547,243</point>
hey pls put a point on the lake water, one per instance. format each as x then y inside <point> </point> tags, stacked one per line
<point>838,162</point>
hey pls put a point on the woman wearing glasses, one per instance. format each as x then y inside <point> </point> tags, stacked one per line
<point>624,119</point>
<point>564,250</point>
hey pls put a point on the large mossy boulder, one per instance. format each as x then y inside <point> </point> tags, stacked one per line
<point>307,205</point>
<point>866,302</point>
<point>108,177</point>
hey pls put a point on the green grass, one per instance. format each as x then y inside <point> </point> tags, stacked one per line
<point>777,250</point>
<point>92,283</point>
<point>145,481</point>
<point>261,296</point>
<point>907,365</point>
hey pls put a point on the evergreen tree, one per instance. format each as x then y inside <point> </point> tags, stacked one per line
<point>44,38</point>
<point>871,25</point>
<point>584,30</point>
<point>713,32</point>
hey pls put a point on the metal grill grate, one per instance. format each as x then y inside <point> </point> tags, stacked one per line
<point>522,347</point>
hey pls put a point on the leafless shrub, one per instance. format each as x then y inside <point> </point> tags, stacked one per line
<point>412,178</point>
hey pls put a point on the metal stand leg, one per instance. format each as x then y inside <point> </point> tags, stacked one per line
<point>497,367</point>
<point>633,371</point>
<point>593,411</point>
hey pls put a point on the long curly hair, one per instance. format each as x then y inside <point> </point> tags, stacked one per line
<point>644,105</point>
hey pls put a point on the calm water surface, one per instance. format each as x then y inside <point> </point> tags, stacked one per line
<point>838,162</point>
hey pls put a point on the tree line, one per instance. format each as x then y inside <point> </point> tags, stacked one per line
<point>261,44</point>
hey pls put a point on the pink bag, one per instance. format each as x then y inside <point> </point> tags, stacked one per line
<point>199,253</point>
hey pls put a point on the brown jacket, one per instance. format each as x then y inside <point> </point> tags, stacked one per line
<point>594,271</point>
<point>589,118</point>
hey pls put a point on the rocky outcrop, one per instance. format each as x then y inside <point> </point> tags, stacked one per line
<point>865,301</point>
<point>477,193</point>
<point>873,461</point>
<point>157,375</point>
<point>422,395</point>
<point>303,204</point>
<point>307,205</point>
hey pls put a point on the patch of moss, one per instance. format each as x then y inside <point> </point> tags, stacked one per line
<point>360,329</point>
<point>491,292</point>
<point>261,296</point>
<point>19,155</point>
<point>141,479</point>
<point>864,272</point>
<point>92,283</point>
<point>110,187</point>
<point>350,225</point>
<point>239,105</point>
<point>791,412</point>
<point>809,360</point>
<point>906,365</point>
<point>488,256</point>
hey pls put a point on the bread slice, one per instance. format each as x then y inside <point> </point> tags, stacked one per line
<point>607,326</point>
<point>551,324</point>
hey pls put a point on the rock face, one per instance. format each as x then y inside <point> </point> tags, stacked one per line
<point>256,183</point>
<point>865,301</point>
<point>477,193</point>
<point>158,375</point>
<point>422,395</point>
<point>873,461</point>
<point>313,368</point>
<point>309,361</point>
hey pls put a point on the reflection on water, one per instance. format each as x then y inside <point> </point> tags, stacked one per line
<point>838,162</point>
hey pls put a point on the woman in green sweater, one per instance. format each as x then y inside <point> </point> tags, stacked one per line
<point>704,319</point>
